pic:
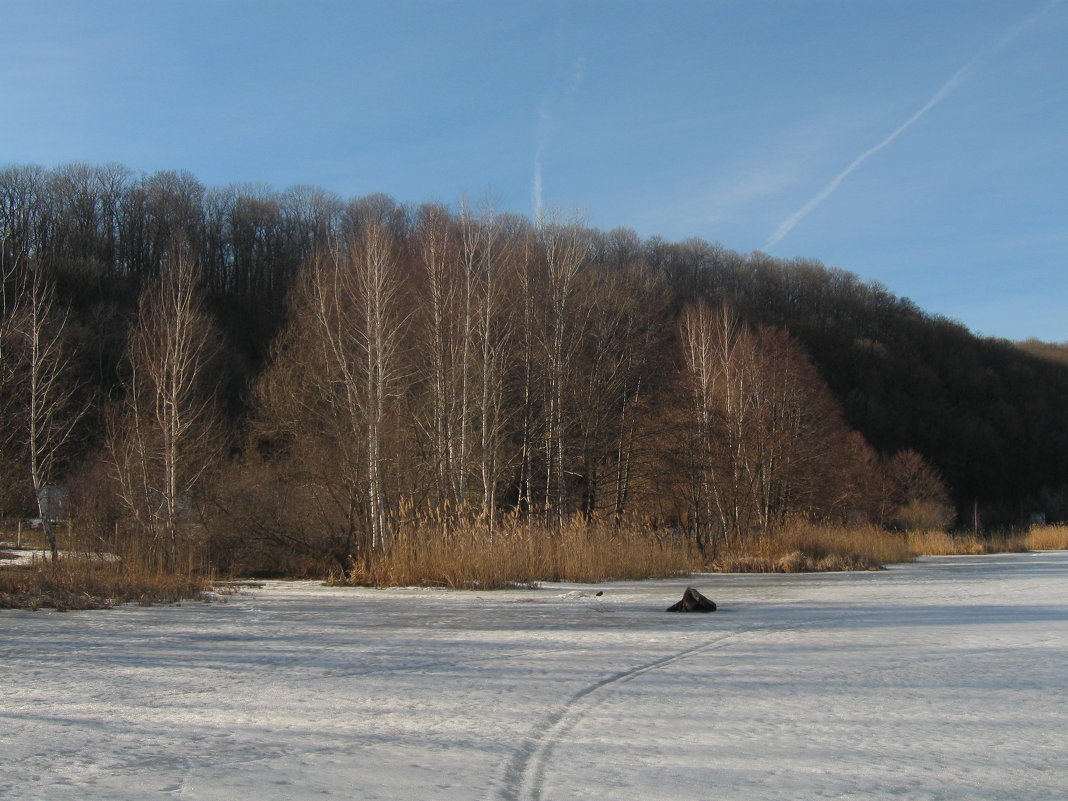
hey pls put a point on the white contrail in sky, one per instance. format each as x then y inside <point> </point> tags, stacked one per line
<point>544,127</point>
<point>788,225</point>
<point>535,192</point>
<point>542,140</point>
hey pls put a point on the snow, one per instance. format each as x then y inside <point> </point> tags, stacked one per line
<point>28,556</point>
<point>942,679</point>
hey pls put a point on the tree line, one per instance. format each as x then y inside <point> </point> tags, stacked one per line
<point>287,376</point>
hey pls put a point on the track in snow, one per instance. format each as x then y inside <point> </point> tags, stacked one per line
<point>525,775</point>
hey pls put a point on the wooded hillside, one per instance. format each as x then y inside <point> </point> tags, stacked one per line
<point>306,374</point>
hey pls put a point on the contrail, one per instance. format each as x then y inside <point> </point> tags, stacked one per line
<point>939,96</point>
<point>535,193</point>
<point>542,140</point>
<point>544,128</point>
<point>796,217</point>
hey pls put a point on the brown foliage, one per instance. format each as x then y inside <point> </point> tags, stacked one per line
<point>766,438</point>
<point>916,494</point>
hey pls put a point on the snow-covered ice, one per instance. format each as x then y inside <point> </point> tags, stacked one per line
<point>944,679</point>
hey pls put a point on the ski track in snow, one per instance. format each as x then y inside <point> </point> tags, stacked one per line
<point>938,680</point>
<point>525,774</point>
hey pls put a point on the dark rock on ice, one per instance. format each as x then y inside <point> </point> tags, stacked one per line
<point>693,601</point>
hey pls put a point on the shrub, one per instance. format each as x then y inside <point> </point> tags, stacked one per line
<point>924,515</point>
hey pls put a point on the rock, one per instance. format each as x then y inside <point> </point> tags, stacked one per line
<point>693,601</point>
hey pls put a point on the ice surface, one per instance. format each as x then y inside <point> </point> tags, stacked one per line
<point>938,680</point>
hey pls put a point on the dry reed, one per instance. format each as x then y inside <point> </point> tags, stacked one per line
<point>805,547</point>
<point>1047,538</point>
<point>519,553</point>
<point>83,582</point>
<point>934,542</point>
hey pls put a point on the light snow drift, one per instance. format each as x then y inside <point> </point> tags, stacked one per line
<point>939,680</point>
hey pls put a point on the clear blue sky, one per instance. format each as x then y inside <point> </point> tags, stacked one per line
<point>919,143</point>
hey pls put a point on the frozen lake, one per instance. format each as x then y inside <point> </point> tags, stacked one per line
<point>943,679</point>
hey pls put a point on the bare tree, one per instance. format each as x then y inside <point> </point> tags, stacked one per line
<point>377,282</point>
<point>492,329</point>
<point>442,346</point>
<point>38,360</point>
<point>624,315</point>
<point>768,440</point>
<point>331,393</point>
<point>465,263</point>
<point>563,247</point>
<point>707,340</point>
<point>916,493</point>
<point>169,435</point>
<point>11,398</point>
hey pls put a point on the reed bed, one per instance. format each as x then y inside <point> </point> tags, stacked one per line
<point>518,553</point>
<point>521,554</point>
<point>934,542</point>
<point>806,547</point>
<point>1047,538</point>
<point>84,582</point>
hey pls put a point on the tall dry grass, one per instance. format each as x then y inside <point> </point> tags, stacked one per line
<point>1047,538</point>
<point>933,542</point>
<point>523,554</point>
<point>519,553</point>
<point>807,547</point>
<point>85,581</point>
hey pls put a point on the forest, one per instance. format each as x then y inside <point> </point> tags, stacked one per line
<point>282,381</point>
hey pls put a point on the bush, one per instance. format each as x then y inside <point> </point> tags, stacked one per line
<point>924,515</point>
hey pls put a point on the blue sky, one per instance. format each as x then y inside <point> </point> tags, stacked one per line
<point>923,145</point>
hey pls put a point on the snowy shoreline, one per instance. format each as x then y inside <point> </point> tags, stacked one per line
<point>939,679</point>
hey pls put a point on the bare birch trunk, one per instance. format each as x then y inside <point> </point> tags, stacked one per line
<point>50,393</point>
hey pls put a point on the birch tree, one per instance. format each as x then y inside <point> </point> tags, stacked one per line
<point>169,435</point>
<point>38,385</point>
<point>443,345</point>
<point>491,331</point>
<point>331,393</point>
<point>563,248</point>
<point>767,436</point>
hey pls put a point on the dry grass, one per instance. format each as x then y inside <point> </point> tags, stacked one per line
<point>941,543</point>
<point>1047,538</point>
<point>522,554</point>
<point>86,583</point>
<point>11,533</point>
<point>804,547</point>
